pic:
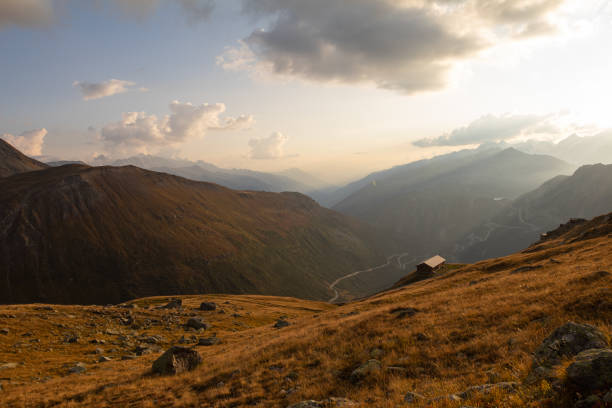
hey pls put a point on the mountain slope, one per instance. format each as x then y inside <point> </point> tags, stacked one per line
<point>12,161</point>
<point>78,234</point>
<point>585,194</point>
<point>472,326</point>
<point>431,204</point>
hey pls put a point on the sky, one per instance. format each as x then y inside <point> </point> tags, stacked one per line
<point>338,88</point>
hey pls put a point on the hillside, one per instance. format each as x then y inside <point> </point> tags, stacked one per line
<point>421,349</point>
<point>585,194</point>
<point>78,234</point>
<point>429,205</point>
<point>12,161</point>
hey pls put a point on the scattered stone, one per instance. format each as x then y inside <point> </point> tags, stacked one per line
<point>7,366</point>
<point>71,338</point>
<point>367,369</point>
<point>210,341</point>
<point>173,304</point>
<point>608,397</point>
<point>403,312</point>
<point>306,404</point>
<point>78,368</point>
<point>197,323</point>
<point>4,331</point>
<point>152,339</point>
<point>413,397</point>
<point>128,357</point>
<point>177,360</point>
<point>98,351</point>
<point>567,341</point>
<point>591,370</point>
<point>377,353</point>
<point>104,359</point>
<point>208,306</point>
<point>280,323</point>
<point>396,370</point>
<point>340,402</point>
<point>142,349</point>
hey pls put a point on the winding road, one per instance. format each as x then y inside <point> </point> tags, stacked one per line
<point>397,257</point>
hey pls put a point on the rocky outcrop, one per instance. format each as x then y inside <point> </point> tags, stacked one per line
<point>208,306</point>
<point>591,370</point>
<point>177,360</point>
<point>367,369</point>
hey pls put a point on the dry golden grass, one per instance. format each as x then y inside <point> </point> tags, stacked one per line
<point>475,325</point>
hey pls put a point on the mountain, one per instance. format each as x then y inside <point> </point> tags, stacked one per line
<point>430,204</point>
<point>585,194</point>
<point>79,234</point>
<point>469,337</point>
<point>12,161</point>
<point>575,149</point>
<point>238,179</point>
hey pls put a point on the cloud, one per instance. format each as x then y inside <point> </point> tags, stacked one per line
<point>491,128</point>
<point>405,45</point>
<point>26,13</point>
<point>97,90</point>
<point>29,142</point>
<point>140,133</point>
<point>268,148</point>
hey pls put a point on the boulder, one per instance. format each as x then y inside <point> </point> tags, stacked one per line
<point>367,369</point>
<point>177,360</point>
<point>4,331</point>
<point>413,398</point>
<point>507,387</point>
<point>78,368</point>
<point>567,341</point>
<point>280,323</point>
<point>197,323</point>
<point>591,370</point>
<point>210,341</point>
<point>306,404</point>
<point>208,306</point>
<point>173,304</point>
<point>104,359</point>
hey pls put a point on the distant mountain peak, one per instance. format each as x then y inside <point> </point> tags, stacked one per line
<point>12,161</point>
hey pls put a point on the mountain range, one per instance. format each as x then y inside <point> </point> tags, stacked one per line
<point>585,194</point>
<point>428,205</point>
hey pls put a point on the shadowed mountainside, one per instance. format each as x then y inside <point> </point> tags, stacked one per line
<point>585,194</point>
<point>78,234</point>
<point>12,161</point>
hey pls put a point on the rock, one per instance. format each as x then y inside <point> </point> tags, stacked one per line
<point>367,369</point>
<point>4,331</point>
<point>280,323</point>
<point>589,402</point>
<point>340,402</point>
<point>128,357</point>
<point>197,323</point>
<point>173,304</point>
<point>377,353</point>
<point>306,404</point>
<point>567,341</point>
<point>177,360</point>
<point>71,338</point>
<point>98,351</point>
<point>78,368</point>
<point>8,366</point>
<point>608,397</point>
<point>152,339</point>
<point>104,359</point>
<point>208,306</point>
<point>413,397</point>
<point>396,370</point>
<point>508,387</point>
<point>402,312</point>
<point>591,370</point>
<point>210,341</point>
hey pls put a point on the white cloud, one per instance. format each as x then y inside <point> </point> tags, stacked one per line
<point>97,90</point>
<point>138,132</point>
<point>404,45</point>
<point>29,142</point>
<point>26,13</point>
<point>492,128</point>
<point>267,148</point>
